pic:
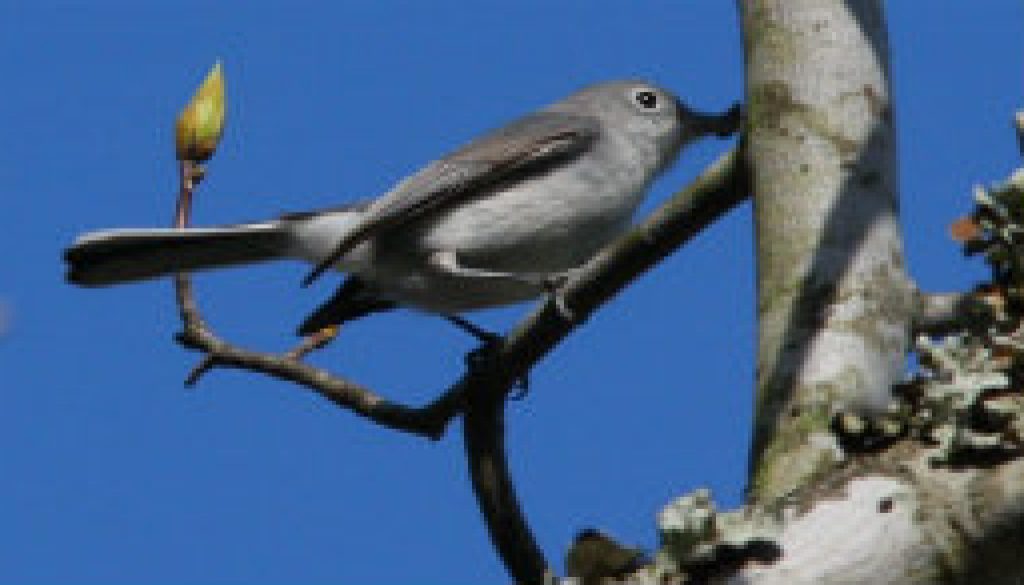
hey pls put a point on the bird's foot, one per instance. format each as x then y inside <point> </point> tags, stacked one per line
<point>313,342</point>
<point>554,287</point>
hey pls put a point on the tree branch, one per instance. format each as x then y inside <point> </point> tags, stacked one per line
<point>484,433</point>
<point>428,422</point>
<point>480,394</point>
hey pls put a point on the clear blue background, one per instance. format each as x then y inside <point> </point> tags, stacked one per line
<point>112,473</point>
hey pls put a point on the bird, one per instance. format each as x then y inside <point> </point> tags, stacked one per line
<point>498,221</point>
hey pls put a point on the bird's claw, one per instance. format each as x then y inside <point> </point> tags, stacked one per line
<point>313,342</point>
<point>554,286</point>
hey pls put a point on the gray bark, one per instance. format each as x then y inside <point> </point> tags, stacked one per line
<point>834,302</point>
<point>835,312</point>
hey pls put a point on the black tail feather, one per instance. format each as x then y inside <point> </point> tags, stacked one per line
<point>353,300</point>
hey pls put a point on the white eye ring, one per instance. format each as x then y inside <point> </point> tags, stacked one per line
<point>645,99</point>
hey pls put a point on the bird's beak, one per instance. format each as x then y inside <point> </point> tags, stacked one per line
<point>697,124</point>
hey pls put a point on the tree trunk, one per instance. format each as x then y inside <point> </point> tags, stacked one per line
<point>833,298</point>
<point>835,309</point>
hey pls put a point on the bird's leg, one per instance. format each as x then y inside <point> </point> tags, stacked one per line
<point>481,357</point>
<point>554,286</point>
<point>313,342</point>
<point>447,262</point>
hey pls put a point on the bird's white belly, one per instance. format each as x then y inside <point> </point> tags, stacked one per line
<point>530,228</point>
<point>546,225</point>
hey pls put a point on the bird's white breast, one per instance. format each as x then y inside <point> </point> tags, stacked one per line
<point>543,225</point>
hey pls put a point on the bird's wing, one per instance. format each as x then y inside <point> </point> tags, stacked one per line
<point>527,147</point>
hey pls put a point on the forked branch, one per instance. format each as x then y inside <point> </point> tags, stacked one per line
<point>480,393</point>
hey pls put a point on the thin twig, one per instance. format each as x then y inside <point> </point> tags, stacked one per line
<point>428,422</point>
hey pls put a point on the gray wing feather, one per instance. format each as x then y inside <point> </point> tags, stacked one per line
<point>529,146</point>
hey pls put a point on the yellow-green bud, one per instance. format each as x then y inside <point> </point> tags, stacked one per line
<point>201,123</point>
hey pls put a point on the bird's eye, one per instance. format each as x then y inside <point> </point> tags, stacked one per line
<point>646,99</point>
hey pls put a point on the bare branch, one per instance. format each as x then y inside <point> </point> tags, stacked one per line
<point>429,422</point>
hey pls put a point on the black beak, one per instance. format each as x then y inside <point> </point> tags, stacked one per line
<point>698,124</point>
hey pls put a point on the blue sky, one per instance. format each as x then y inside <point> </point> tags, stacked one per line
<point>113,473</point>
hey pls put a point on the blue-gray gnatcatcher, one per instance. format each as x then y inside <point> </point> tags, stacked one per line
<point>490,224</point>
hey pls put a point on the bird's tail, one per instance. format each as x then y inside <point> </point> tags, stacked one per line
<point>115,256</point>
